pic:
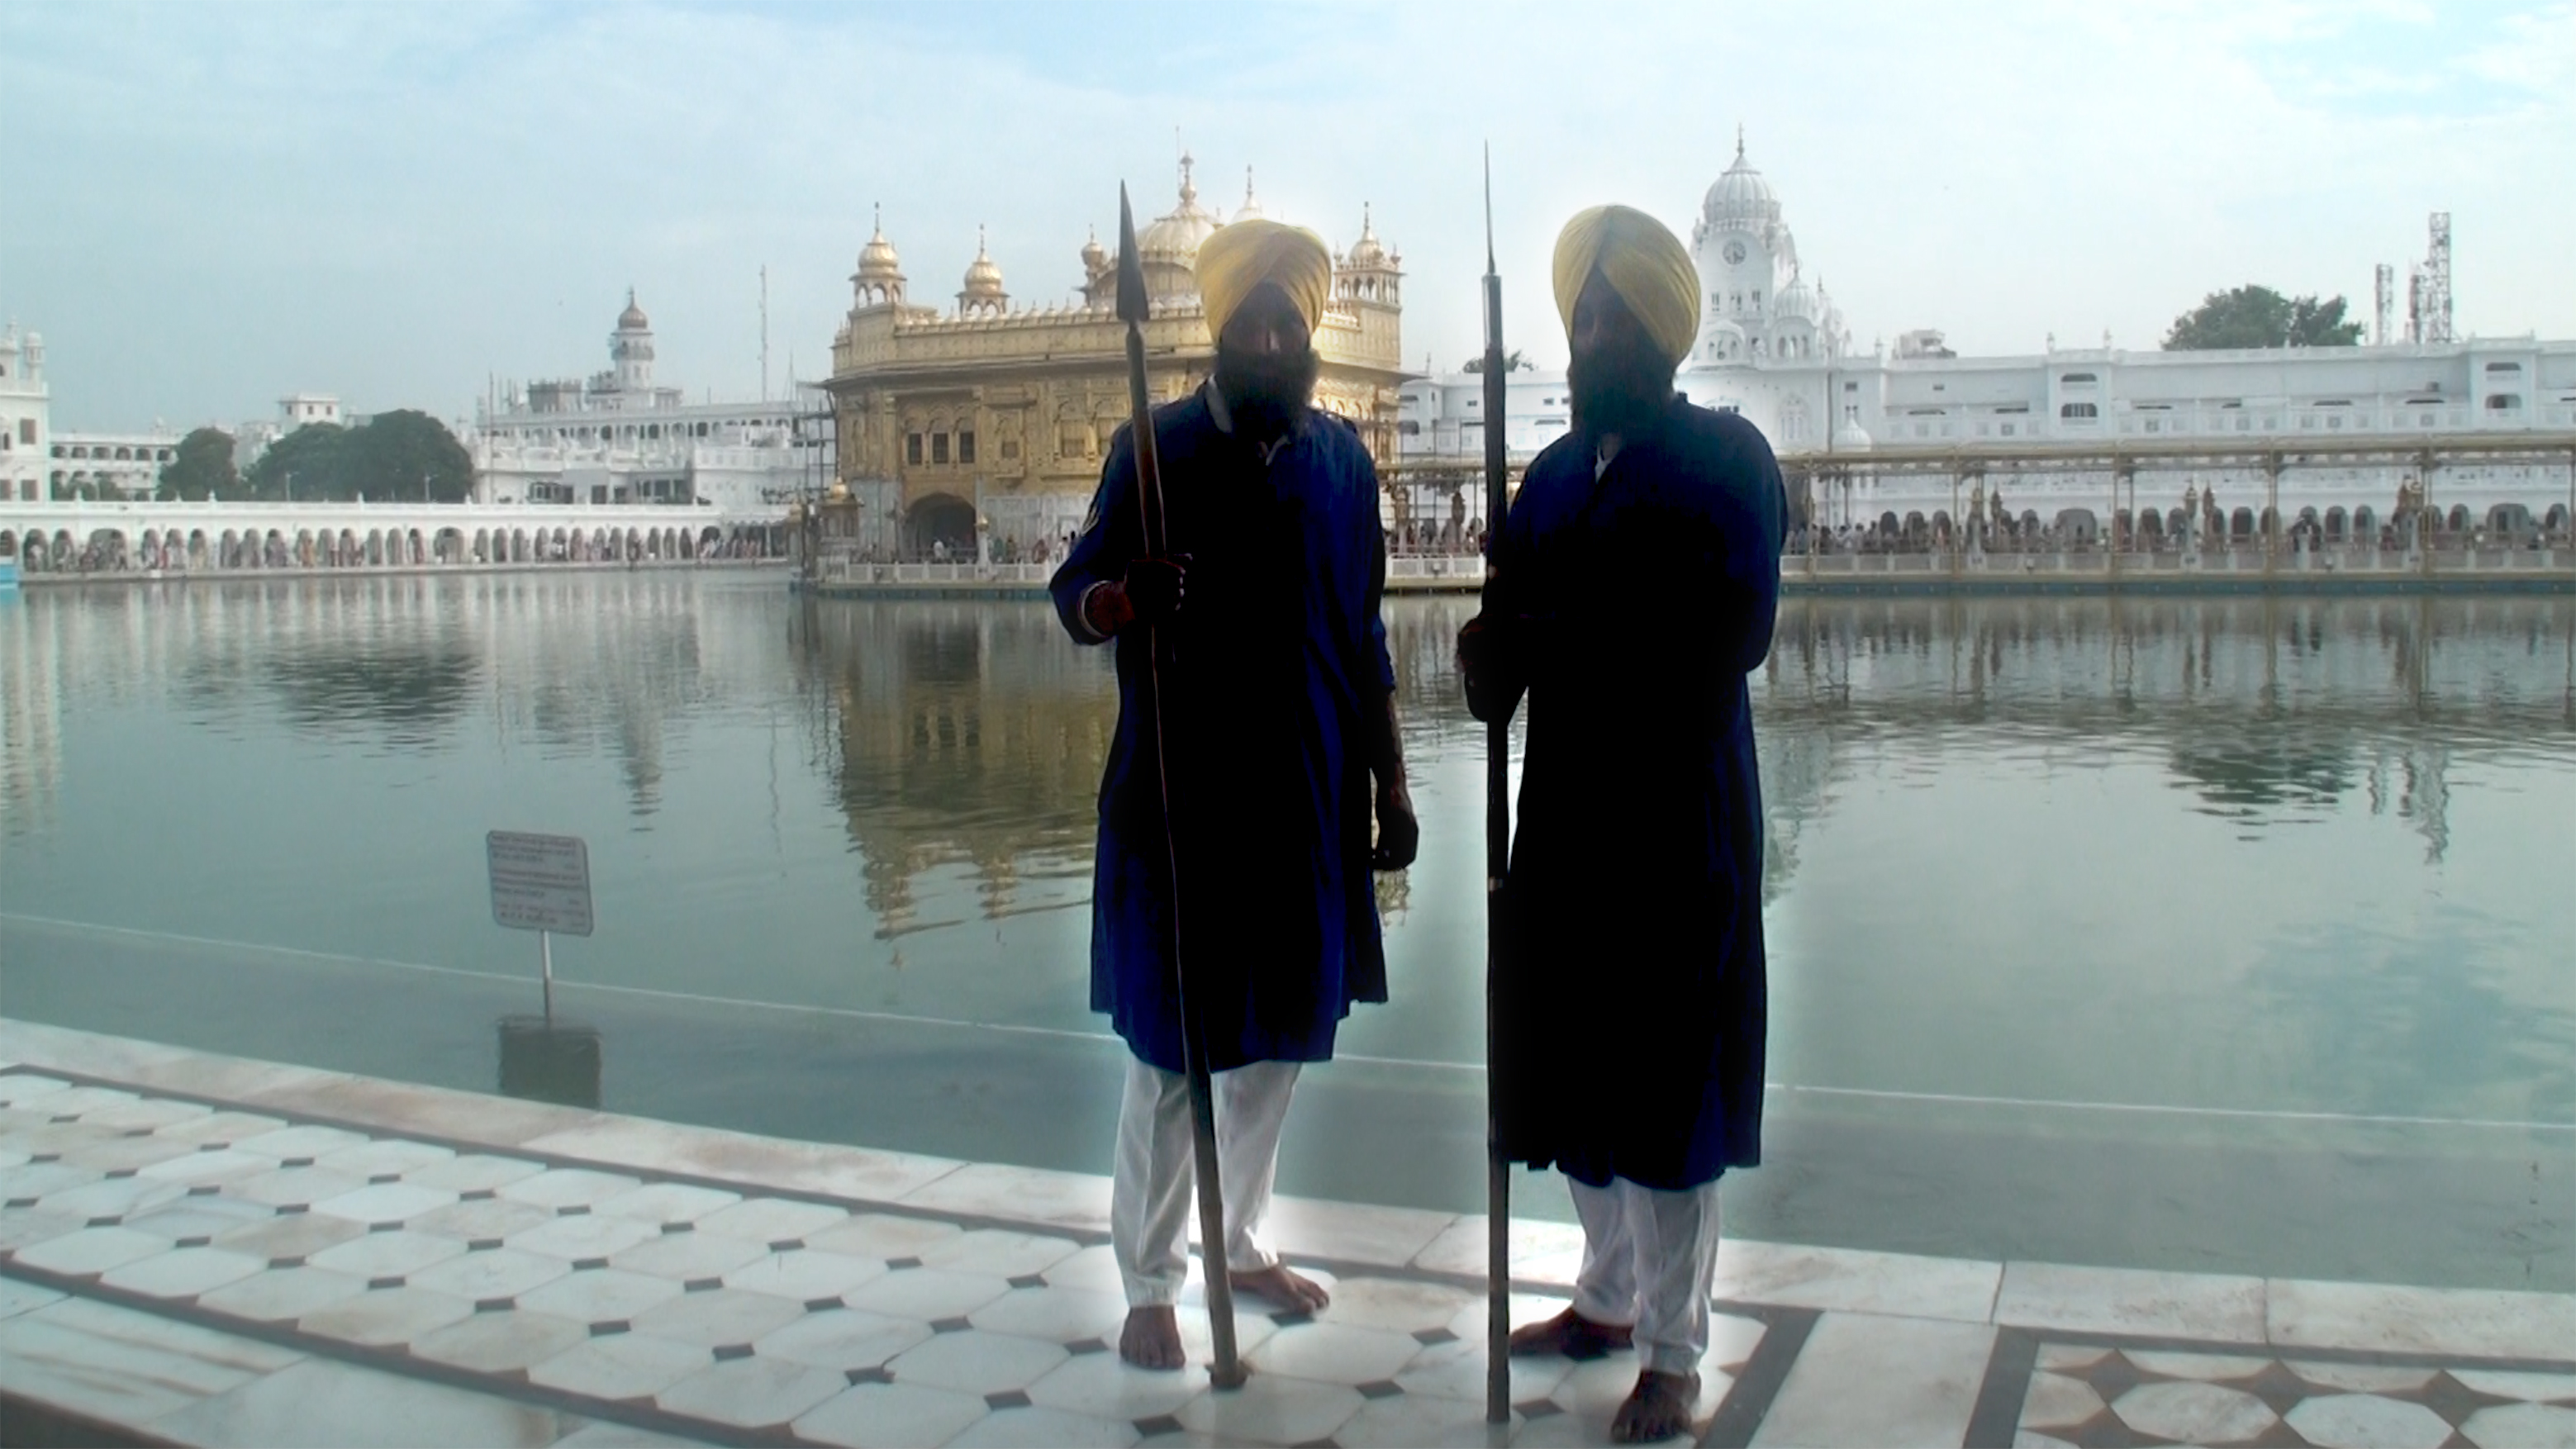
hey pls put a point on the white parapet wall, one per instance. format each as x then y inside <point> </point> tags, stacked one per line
<point>56,536</point>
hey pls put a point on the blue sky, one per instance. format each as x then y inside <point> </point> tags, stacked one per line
<point>207,206</point>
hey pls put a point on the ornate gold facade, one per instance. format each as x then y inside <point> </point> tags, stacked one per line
<point>983,427</point>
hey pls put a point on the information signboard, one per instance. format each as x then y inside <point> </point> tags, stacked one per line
<point>539,882</point>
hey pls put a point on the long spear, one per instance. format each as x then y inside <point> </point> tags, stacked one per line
<point>1133,308</point>
<point>1498,855</point>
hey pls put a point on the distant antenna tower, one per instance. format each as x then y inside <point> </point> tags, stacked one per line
<point>2437,279</point>
<point>2387,298</point>
<point>764,332</point>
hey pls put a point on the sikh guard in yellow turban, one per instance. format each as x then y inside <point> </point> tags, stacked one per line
<point>1279,733</point>
<point>1633,586</point>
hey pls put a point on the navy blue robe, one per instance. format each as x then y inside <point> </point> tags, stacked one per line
<point>1278,671</point>
<point>1630,993</point>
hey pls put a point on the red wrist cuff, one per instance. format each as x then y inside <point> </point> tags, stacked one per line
<point>1106,610</point>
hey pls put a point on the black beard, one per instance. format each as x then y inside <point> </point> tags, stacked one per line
<point>1267,391</point>
<point>1619,391</point>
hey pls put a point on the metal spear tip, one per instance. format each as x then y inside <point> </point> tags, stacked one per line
<point>1132,303</point>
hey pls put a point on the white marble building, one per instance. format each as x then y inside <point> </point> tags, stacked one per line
<point>108,465</point>
<point>1773,346</point>
<point>26,420</point>
<point>618,437</point>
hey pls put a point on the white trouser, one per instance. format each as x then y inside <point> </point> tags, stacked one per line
<point>1150,1195</point>
<point>1649,1257</point>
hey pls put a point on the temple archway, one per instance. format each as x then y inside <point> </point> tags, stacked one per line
<point>940,519</point>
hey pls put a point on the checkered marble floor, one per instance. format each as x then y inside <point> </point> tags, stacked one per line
<point>206,1250</point>
<point>2094,1395</point>
<point>579,1297</point>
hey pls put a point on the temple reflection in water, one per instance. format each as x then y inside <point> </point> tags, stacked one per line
<point>959,735</point>
<point>2266,709</point>
<point>970,736</point>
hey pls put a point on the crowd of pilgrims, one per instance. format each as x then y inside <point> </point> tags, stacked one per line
<point>2217,535</point>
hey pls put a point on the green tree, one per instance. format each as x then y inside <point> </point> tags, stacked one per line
<point>202,468</point>
<point>1512,362</point>
<point>396,456</point>
<point>407,454</point>
<point>2252,316</point>
<point>310,463</point>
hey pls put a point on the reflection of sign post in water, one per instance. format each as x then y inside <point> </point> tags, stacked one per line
<point>544,1060</point>
<point>540,883</point>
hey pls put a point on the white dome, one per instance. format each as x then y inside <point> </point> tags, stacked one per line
<point>1796,302</point>
<point>1740,199</point>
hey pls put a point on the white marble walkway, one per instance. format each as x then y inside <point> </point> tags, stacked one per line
<point>207,1250</point>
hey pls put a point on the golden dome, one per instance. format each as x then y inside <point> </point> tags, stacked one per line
<point>983,278</point>
<point>632,319</point>
<point>1094,255</point>
<point>1170,247</point>
<point>839,492</point>
<point>1366,252</point>
<point>877,261</point>
<point>1251,208</point>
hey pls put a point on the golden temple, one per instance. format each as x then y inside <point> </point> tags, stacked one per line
<point>978,431</point>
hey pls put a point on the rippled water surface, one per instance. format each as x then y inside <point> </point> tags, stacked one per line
<point>2229,934</point>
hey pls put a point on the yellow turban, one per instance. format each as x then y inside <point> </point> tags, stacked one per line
<point>1235,259</point>
<point>1642,262</point>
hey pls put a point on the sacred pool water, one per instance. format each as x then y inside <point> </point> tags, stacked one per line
<point>2224,934</point>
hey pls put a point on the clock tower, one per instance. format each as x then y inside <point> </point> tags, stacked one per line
<point>1746,259</point>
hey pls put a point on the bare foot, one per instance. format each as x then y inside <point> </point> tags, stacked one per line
<point>1658,1408</point>
<point>1152,1339</point>
<point>1571,1334</point>
<point>1276,1284</point>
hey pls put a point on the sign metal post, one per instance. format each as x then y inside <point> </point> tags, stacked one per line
<point>540,883</point>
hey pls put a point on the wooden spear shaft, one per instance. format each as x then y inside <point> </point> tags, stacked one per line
<point>1134,306</point>
<point>1498,854</point>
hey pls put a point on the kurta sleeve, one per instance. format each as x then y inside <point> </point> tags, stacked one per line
<point>1750,517</point>
<point>1502,672</point>
<point>1108,542</point>
<point>1379,665</point>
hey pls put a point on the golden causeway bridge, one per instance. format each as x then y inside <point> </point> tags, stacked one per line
<point>108,539</point>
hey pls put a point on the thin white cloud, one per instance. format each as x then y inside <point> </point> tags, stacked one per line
<point>229,202</point>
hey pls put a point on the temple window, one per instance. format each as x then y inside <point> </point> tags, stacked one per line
<point>965,445</point>
<point>912,449</point>
<point>938,448</point>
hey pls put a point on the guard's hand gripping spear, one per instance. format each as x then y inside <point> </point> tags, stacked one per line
<point>1133,309</point>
